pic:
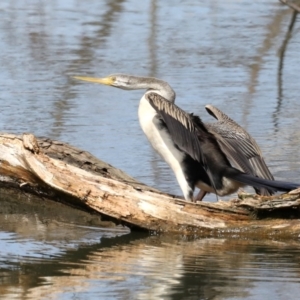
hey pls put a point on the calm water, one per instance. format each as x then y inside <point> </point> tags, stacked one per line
<point>220,52</point>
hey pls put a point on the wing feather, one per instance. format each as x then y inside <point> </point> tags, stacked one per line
<point>239,146</point>
<point>191,136</point>
<point>180,125</point>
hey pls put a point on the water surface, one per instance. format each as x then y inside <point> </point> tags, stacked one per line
<point>134,266</point>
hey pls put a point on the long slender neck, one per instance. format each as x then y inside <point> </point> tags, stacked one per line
<point>154,85</point>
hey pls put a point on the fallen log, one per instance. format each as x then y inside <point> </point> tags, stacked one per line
<point>58,171</point>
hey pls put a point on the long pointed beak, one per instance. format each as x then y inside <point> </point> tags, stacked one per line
<point>105,80</point>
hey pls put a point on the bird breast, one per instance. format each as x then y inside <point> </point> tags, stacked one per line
<point>158,135</point>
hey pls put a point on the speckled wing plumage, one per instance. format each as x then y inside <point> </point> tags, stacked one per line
<point>179,123</point>
<point>190,135</point>
<point>240,148</point>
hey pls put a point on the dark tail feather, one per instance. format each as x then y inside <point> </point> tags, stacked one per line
<point>270,185</point>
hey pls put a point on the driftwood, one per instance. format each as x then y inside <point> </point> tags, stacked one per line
<point>57,171</point>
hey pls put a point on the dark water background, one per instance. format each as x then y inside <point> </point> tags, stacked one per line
<point>222,52</point>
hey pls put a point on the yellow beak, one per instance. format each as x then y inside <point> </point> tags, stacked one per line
<point>106,80</point>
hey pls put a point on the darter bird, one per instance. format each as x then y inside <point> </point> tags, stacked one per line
<point>199,155</point>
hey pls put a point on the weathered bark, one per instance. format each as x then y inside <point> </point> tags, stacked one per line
<point>58,171</point>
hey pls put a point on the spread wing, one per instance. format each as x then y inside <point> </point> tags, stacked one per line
<point>180,125</point>
<point>189,134</point>
<point>240,148</point>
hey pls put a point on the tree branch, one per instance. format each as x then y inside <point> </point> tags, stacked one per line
<point>291,5</point>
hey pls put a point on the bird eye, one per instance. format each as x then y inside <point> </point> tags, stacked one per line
<point>113,78</point>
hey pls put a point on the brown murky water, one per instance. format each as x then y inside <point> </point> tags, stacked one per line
<point>222,52</point>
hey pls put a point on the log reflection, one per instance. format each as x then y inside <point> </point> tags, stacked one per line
<point>156,267</point>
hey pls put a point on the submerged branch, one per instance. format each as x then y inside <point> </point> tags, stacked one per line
<point>282,51</point>
<point>291,5</point>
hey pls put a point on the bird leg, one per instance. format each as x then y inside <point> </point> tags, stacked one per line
<point>200,196</point>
